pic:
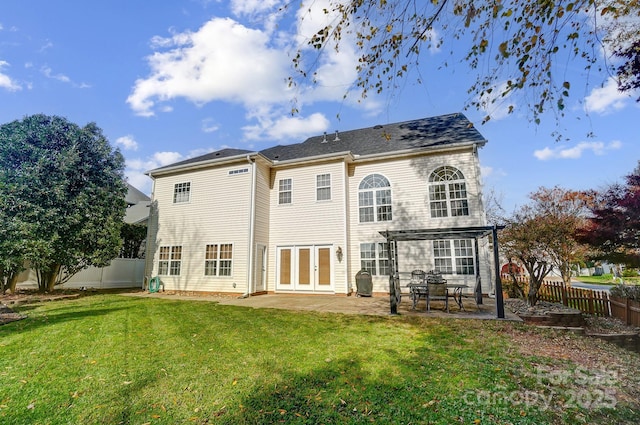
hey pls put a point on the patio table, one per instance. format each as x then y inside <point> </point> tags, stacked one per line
<point>457,293</point>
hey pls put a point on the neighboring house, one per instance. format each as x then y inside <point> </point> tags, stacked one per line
<point>122,272</point>
<point>307,217</point>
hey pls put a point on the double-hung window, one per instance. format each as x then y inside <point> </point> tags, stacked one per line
<point>169,260</point>
<point>323,187</point>
<point>218,259</point>
<point>374,199</point>
<point>374,257</point>
<point>284,191</point>
<point>448,193</point>
<point>181,192</point>
<point>454,256</point>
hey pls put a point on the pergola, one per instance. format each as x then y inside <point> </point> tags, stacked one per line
<point>475,233</point>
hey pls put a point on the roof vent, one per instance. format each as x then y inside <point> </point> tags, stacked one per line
<point>324,139</point>
<point>337,139</point>
<point>377,127</point>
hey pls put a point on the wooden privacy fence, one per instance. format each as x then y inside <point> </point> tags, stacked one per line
<point>625,309</point>
<point>598,303</point>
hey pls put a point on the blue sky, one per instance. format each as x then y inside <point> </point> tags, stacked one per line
<point>174,79</point>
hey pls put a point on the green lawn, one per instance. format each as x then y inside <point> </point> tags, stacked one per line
<point>607,279</point>
<point>112,359</point>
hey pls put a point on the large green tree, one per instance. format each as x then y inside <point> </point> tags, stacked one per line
<point>62,192</point>
<point>512,46</point>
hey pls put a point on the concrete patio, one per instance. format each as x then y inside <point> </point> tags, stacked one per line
<point>377,305</point>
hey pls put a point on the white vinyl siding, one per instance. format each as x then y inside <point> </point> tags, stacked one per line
<point>204,222</point>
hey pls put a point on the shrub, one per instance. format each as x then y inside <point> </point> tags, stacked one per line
<point>630,273</point>
<point>626,291</point>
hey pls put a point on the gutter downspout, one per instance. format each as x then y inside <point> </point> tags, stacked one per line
<point>252,219</point>
<point>346,251</point>
<point>148,254</point>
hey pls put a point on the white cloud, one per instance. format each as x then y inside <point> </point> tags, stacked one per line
<point>288,127</point>
<point>48,72</point>
<point>575,152</point>
<point>7,82</point>
<point>209,125</point>
<point>136,168</point>
<point>223,60</point>
<point>606,99</point>
<point>127,142</point>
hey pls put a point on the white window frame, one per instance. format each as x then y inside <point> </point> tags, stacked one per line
<point>170,260</point>
<point>323,187</point>
<point>448,195</point>
<point>284,190</point>
<point>182,193</point>
<point>374,257</point>
<point>218,259</point>
<point>454,257</point>
<point>373,190</point>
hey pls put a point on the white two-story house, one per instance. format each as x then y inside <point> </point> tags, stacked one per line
<point>306,217</point>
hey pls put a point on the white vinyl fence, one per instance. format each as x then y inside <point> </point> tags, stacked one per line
<point>122,273</point>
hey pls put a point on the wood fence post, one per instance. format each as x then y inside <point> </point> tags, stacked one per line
<point>565,301</point>
<point>627,310</point>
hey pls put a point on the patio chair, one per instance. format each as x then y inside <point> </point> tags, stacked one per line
<point>417,292</point>
<point>436,289</point>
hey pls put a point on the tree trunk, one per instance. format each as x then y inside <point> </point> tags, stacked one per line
<point>12,282</point>
<point>47,279</point>
<point>534,286</point>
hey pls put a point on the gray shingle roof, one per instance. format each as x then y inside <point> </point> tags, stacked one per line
<point>418,134</point>
<point>221,154</point>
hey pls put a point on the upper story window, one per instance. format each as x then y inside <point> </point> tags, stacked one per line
<point>374,199</point>
<point>181,192</point>
<point>284,191</point>
<point>323,187</point>
<point>448,193</point>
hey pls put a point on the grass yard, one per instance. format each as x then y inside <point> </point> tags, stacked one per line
<point>607,279</point>
<point>112,359</point>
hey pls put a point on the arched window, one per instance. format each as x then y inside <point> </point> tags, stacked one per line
<point>374,199</point>
<point>447,193</point>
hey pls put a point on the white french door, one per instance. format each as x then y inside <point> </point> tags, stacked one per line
<point>305,268</point>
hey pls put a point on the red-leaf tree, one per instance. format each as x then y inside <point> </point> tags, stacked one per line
<point>614,228</point>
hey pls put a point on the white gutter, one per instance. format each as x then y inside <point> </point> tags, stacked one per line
<point>197,165</point>
<point>148,255</point>
<point>252,219</point>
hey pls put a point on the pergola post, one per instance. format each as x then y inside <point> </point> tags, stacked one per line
<point>496,261</point>
<point>394,276</point>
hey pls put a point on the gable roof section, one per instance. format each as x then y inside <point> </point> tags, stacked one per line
<point>417,135</point>
<point>211,157</point>
<point>426,133</point>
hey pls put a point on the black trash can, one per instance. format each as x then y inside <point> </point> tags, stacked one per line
<point>364,284</point>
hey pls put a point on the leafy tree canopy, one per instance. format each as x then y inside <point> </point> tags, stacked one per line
<point>614,227</point>
<point>513,46</point>
<point>542,234</point>
<point>62,194</point>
